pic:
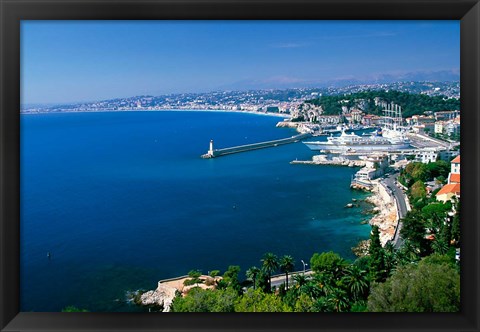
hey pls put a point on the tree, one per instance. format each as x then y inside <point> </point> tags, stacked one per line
<point>328,262</point>
<point>377,259</point>
<point>200,300</point>
<point>420,172</point>
<point>270,265</point>
<point>456,225</point>
<point>194,275</point>
<point>257,301</point>
<point>438,168</point>
<point>407,253</point>
<point>338,300</point>
<point>231,277</point>
<point>303,304</point>
<point>427,287</point>
<point>356,281</point>
<point>414,230</point>
<point>252,274</point>
<point>436,209</point>
<point>214,273</point>
<point>286,265</point>
<point>301,281</point>
<point>390,257</point>
<point>418,190</point>
<point>263,281</point>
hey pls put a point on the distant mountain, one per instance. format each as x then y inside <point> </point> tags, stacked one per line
<point>286,82</point>
<point>421,76</point>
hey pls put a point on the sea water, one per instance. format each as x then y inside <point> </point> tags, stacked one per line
<point>112,202</point>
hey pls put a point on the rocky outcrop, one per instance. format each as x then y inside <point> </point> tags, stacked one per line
<point>162,296</point>
<point>167,290</point>
<point>386,219</point>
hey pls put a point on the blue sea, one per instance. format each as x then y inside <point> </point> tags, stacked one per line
<point>121,200</point>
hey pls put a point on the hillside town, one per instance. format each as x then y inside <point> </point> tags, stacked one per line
<point>284,101</point>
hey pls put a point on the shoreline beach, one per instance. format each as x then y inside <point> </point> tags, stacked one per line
<point>280,115</point>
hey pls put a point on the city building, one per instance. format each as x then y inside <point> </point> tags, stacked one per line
<point>375,166</point>
<point>455,165</point>
<point>453,187</point>
<point>329,119</point>
<point>426,156</point>
<point>448,191</point>
<point>439,127</point>
<point>452,128</point>
<point>356,116</point>
<point>447,155</point>
<point>446,115</point>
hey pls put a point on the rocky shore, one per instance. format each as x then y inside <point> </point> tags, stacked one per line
<point>337,161</point>
<point>162,297</point>
<point>386,216</point>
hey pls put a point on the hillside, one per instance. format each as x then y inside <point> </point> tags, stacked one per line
<point>411,103</point>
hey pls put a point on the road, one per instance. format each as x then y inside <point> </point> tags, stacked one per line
<point>279,279</point>
<point>425,141</point>
<point>399,196</point>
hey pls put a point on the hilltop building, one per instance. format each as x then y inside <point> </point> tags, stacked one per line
<point>453,187</point>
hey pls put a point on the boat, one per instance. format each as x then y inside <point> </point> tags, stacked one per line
<point>348,142</point>
<point>390,137</point>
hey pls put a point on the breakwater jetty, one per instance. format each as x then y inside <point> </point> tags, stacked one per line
<point>213,153</point>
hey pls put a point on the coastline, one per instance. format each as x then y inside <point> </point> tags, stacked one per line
<point>279,115</point>
<point>386,217</point>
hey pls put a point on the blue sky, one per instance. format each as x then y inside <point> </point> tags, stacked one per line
<point>70,61</point>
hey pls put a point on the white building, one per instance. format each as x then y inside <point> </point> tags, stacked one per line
<point>439,126</point>
<point>374,167</point>
<point>426,156</point>
<point>455,165</point>
<point>452,128</point>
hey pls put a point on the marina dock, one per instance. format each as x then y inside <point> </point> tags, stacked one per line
<point>213,153</point>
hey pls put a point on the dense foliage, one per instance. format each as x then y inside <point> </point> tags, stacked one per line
<point>411,103</point>
<point>432,285</point>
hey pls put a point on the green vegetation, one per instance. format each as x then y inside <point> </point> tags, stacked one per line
<point>384,280</point>
<point>194,278</point>
<point>432,226</point>
<point>431,286</point>
<point>286,265</point>
<point>199,300</point>
<point>411,103</point>
<point>72,308</point>
<point>270,265</point>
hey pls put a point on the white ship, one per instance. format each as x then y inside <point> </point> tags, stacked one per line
<point>392,137</point>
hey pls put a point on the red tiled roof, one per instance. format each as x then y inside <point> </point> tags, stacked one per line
<point>450,188</point>
<point>456,160</point>
<point>454,177</point>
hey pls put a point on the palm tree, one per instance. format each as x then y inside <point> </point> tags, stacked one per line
<point>286,265</point>
<point>356,281</point>
<point>252,273</point>
<point>338,299</point>
<point>270,265</point>
<point>390,257</point>
<point>300,279</point>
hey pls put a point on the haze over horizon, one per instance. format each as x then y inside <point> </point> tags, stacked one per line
<point>67,61</point>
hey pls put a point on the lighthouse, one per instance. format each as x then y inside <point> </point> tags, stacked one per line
<point>210,151</point>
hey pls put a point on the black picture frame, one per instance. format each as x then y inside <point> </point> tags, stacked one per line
<point>13,11</point>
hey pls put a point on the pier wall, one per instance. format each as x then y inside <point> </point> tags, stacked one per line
<point>254,146</point>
